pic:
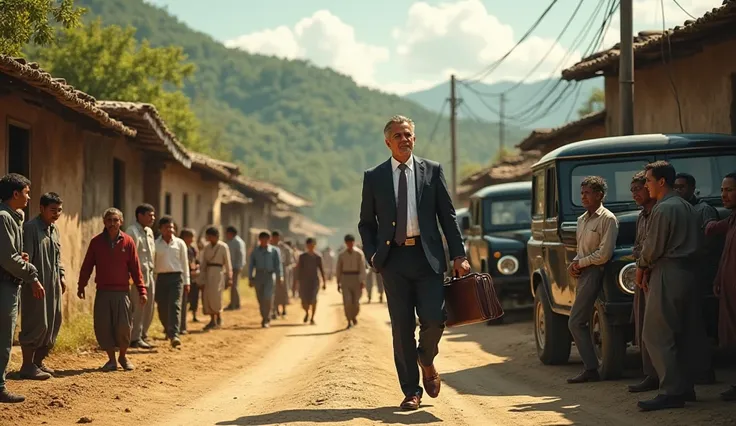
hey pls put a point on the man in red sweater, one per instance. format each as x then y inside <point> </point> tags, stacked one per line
<point>113,256</point>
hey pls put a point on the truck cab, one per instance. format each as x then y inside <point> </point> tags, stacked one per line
<point>497,232</point>
<point>555,207</point>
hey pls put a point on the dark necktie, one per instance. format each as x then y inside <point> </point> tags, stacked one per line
<point>402,208</point>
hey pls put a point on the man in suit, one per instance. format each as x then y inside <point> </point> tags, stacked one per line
<point>404,198</point>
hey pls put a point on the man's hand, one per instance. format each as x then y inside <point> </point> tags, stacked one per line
<point>229,282</point>
<point>362,286</point>
<point>645,281</point>
<point>80,293</point>
<point>461,267</point>
<point>339,288</point>
<point>639,278</point>
<point>717,289</point>
<point>574,269</point>
<point>62,281</point>
<point>187,288</point>
<point>143,299</point>
<point>38,291</point>
<point>25,257</point>
<point>251,283</point>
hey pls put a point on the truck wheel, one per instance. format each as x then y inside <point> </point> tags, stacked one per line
<point>550,331</point>
<point>609,342</point>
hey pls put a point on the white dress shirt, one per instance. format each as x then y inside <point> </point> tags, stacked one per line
<point>172,257</point>
<point>412,221</point>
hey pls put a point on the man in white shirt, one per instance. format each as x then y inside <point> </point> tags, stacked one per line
<point>172,278</point>
<point>142,235</point>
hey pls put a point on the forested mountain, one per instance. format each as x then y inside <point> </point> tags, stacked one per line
<point>309,129</point>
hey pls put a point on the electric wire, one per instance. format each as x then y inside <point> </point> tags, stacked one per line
<point>483,74</point>
<point>437,121</point>
<point>668,66</point>
<point>683,9</point>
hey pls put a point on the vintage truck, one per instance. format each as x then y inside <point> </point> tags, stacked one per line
<point>556,206</point>
<point>497,232</point>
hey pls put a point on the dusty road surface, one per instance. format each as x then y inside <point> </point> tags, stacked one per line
<point>295,374</point>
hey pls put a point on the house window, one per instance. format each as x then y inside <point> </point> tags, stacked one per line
<point>19,151</point>
<point>185,210</point>
<point>198,212</point>
<point>118,184</point>
<point>210,217</point>
<point>167,203</point>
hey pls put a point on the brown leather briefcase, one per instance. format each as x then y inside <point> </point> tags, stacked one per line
<point>471,299</point>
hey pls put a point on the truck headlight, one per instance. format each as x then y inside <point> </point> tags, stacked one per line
<point>627,278</point>
<point>508,265</point>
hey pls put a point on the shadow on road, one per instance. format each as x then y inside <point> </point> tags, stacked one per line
<point>326,333</point>
<point>388,415</point>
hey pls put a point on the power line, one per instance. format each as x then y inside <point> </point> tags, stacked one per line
<point>544,57</point>
<point>681,8</point>
<point>668,67</point>
<point>483,74</point>
<point>437,122</point>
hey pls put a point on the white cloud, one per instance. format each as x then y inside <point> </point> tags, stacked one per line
<point>469,38</point>
<point>323,39</point>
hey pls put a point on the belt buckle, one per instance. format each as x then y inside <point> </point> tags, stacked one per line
<point>410,242</point>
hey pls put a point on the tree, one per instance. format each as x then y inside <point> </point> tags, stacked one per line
<point>23,21</point>
<point>109,64</point>
<point>596,102</point>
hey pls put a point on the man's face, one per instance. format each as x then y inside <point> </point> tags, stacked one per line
<point>51,213</point>
<point>639,193</point>
<point>167,230</point>
<point>147,219</point>
<point>20,198</point>
<point>400,140</point>
<point>113,222</point>
<point>311,246</point>
<point>212,239</point>
<point>275,239</point>
<point>590,198</point>
<point>654,186</point>
<point>188,240</point>
<point>683,189</point>
<point>229,235</point>
<point>263,241</point>
<point>349,244</point>
<point>728,193</point>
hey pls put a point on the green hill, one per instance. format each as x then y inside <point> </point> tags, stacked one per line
<point>309,129</point>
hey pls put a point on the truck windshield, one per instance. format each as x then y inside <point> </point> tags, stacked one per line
<point>707,170</point>
<point>507,214</point>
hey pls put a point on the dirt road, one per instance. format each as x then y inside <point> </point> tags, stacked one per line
<point>294,374</point>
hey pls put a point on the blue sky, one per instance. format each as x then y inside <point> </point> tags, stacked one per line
<point>406,45</point>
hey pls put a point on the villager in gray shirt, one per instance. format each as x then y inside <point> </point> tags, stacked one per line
<point>145,246</point>
<point>673,324</point>
<point>41,318</point>
<point>15,270</point>
<point>597,231</point>
<point>237,257</point>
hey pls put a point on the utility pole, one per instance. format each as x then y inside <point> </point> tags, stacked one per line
<point>502,118</point>
<point>454,103</point>
<point>626,69</point>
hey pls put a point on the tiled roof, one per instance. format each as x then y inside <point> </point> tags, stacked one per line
<point>282,195</point>
<point>153,134</point>
<point>538,137</point>
<point>230,195</point>
<point>712,27</point>
<point>512,168</point>
<point>302,225</point>
<point>31,74</point>
<point>210,165</point>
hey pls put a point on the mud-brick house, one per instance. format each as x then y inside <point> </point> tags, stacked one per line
<point>512,168</point>
<point>63,140</point>
<point>590,126</point>
<point>687,72</point>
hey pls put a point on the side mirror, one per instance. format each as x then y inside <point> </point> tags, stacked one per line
<point>465,222</point>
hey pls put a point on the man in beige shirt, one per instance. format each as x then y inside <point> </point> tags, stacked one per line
<point>597,231</point>
<point>350,273</point>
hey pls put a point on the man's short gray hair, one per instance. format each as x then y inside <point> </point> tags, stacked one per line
<point>397,119</point>
<point>596,183</point>
<point>112,211</point>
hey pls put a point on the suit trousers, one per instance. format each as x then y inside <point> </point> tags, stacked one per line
<point>9,298</point>
<point>586,293</point>
<point>413,289</point>
<point>143,315</point>
<point>673,326</point>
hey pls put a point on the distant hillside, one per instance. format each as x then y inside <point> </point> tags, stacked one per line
<point>309,129</point>
<point>518,100</point>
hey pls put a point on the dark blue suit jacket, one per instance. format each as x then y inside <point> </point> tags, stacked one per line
<point>434,205</point>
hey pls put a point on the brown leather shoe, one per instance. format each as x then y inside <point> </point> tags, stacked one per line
<point>411,403</point>
<point>431,380</point>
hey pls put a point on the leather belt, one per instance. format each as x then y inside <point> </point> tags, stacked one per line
<point>410,241</point>
<point>215,264</point>
<point>351,272</point>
